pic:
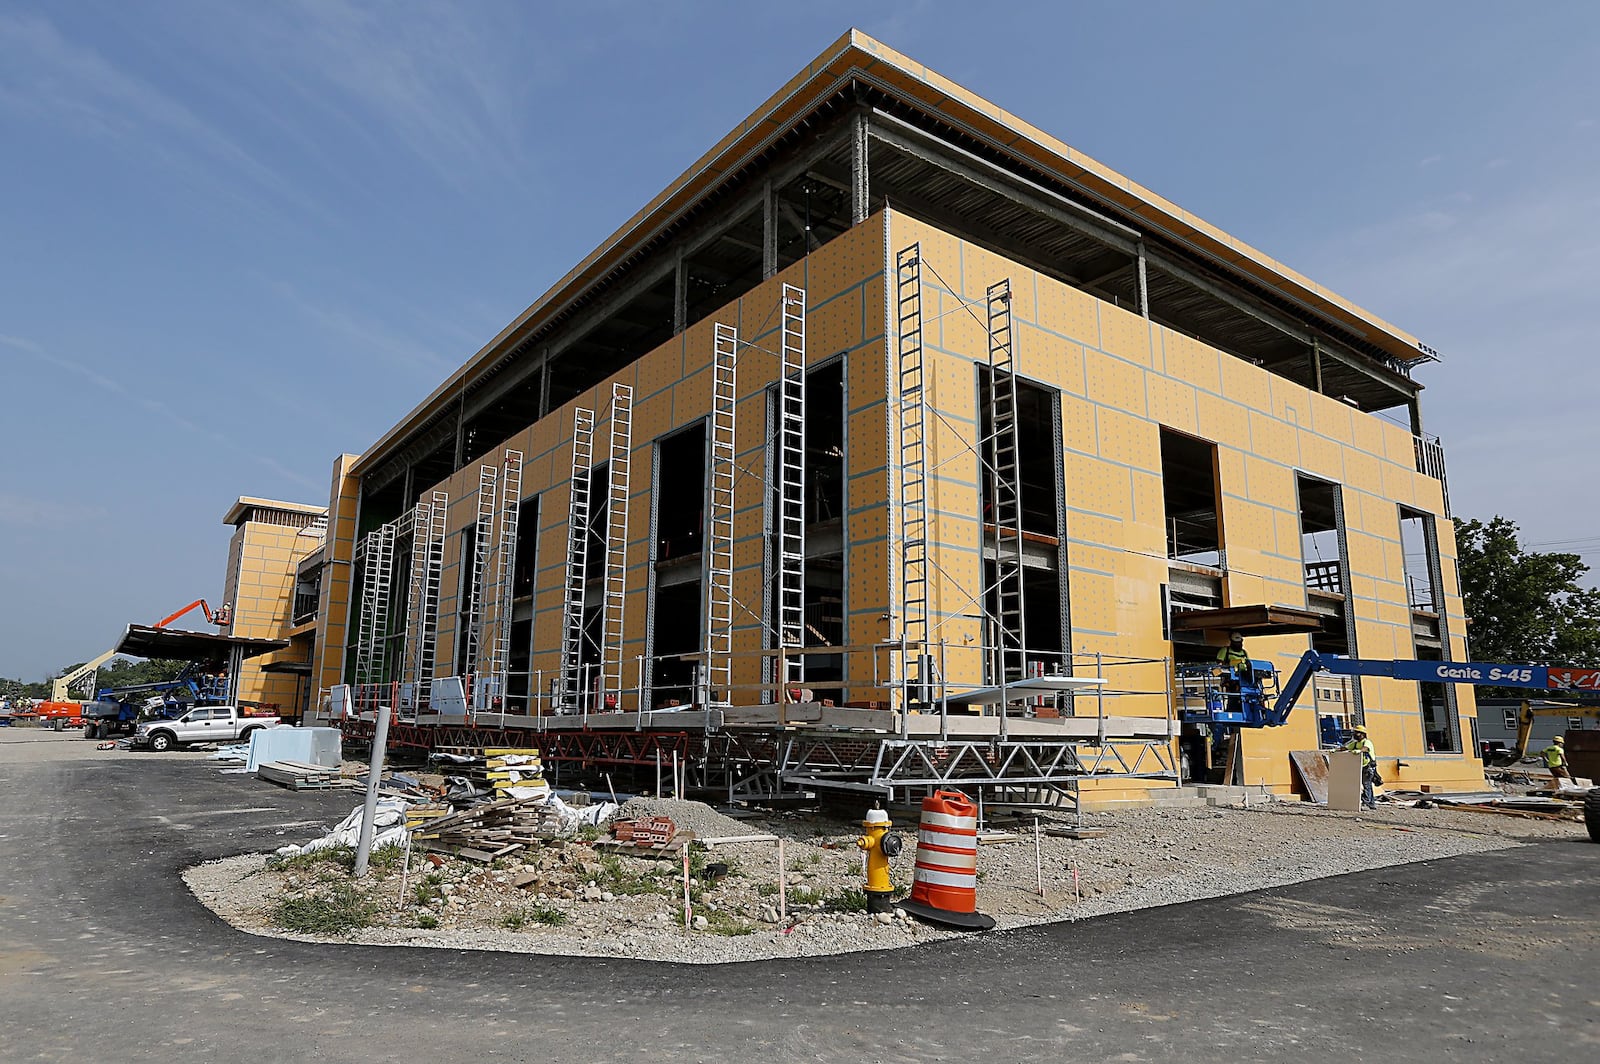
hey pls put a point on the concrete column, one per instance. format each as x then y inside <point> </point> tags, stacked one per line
<point>860,188</point>
<point>769,233</point>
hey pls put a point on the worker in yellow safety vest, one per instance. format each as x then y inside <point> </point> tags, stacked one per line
<point>1233,655</point>
<point>1369,764</point>
<point>1555,759</point>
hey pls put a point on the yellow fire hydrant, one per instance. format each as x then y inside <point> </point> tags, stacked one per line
<point>879,846</point>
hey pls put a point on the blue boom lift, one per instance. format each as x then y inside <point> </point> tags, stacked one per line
<point>1251,698</point>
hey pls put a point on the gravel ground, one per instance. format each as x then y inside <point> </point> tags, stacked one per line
<point>584,904</point>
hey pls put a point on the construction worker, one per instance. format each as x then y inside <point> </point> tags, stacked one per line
<point>1555,759</point>
<point>1236,665</point>
<point>1369,764</point>
<point>1233,655</point>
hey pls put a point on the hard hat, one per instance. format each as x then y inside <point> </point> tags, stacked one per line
<point>1560,739</point>
<point>1360,729</point>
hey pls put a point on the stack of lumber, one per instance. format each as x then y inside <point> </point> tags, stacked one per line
<point>491,830</point>
<point>300,776</point>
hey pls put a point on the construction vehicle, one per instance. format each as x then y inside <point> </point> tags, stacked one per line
<point>1249,697</point>
<point>118,710</point>
<point>62,711</point>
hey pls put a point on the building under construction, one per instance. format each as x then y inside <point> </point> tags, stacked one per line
<point>897,443</point>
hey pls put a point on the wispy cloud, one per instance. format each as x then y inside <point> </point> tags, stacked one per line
<point>18,511</point>
<point>47,76</point>
<point>164,412</point>
<point>354,333</point>
<point>444,82</point>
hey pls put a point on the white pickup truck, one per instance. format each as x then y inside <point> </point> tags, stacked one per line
<point>203,724</point>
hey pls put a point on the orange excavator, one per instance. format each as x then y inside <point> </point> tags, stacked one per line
<point>63,712</point>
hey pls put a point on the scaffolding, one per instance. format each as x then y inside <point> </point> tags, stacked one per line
<point>614,586</point>
<point>570,683</point>
<point>377,577</point>
<point>1005,492</point>
<point>719,531</point>
<point>477,562</point>
<point>914,632</point>
<point>496,631</point>
<point>422,603</point>
<point>791,472</point>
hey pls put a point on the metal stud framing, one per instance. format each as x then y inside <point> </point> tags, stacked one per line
<point>615,584</point>
<point>719,533</point>
<point>571,682</point>
<point>792,487</point>
<point>913,474</point>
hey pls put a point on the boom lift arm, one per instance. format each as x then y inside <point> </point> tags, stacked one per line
<point>1245,698</point>
<point>61,685</point>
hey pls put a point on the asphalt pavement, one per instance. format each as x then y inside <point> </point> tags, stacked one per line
<point>106,957</point>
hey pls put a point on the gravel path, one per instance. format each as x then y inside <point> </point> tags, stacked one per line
<point>592,906</point>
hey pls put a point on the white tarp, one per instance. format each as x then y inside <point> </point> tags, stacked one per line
<point>388,829</point>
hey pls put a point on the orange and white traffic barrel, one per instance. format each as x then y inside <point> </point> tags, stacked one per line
<point>944,884</point>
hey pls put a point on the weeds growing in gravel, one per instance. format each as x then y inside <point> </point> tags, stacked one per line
<point>427,921</point>
<point>342,856</point>
<point>767,890</point>
<point>332,910</point>
<point>428,889</point>
<point>619,876</point>
<point>846,901</point>
<point>726,924</point>
<point>543,915</point>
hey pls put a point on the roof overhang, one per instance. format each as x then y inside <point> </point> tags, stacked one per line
<point>141,641</point>
<point>1252,620</point>
<point>856,57</point>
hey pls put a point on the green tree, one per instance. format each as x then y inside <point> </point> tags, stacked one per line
<point>1524,605</point>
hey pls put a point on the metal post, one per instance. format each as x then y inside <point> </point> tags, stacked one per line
<point>1144,285</point>
<point>380,739</point>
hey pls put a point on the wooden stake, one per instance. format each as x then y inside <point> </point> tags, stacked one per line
<point>1038,858</point>
<point>686,912</point>
<point>783,889</point>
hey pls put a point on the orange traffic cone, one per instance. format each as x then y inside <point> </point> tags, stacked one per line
<point>944,886</point>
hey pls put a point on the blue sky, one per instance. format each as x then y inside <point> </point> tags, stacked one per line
<point>240,239</point>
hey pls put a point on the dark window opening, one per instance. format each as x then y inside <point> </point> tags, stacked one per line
<point>381,506</point>
<point>675,631</point>
<point>1418,547</point>
<point>1042,624</point>
<point>525,564</point>
<point>519,662</point>
<point>824,432</point>
<point>824,604</point>
<point>1189,491</point>
<point>1037,458</point>
<point>594,543</point>
<point>1438,712</point>
<point>680,495</point>
<point>1323,564</point>
<point>466,594</point>
<point>628,331</point>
